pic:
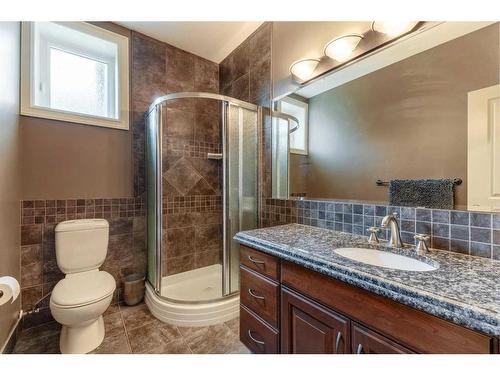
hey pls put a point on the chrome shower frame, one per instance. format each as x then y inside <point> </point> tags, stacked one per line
<point>289,119</point>
<point>157,105</point>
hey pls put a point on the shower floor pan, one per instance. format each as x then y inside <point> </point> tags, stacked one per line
<point>193,298</point>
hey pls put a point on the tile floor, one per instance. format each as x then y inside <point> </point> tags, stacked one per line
<point>135,330</point>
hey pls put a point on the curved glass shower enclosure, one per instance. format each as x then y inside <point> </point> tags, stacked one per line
<point>202,188</point>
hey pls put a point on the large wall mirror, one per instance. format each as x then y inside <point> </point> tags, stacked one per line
<point>426,107</point>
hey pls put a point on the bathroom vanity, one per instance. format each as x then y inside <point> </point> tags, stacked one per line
<point>299,296</point>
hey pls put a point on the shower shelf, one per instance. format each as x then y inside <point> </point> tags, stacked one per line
<point>213,156</point>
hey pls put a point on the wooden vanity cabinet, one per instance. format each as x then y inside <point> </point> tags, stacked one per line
<point>260,301</point>
<point>286,308</point>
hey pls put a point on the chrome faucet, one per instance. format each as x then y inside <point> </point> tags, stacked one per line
<point>391,221</point>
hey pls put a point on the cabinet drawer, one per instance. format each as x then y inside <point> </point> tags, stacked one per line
<point>365,341</point>
<point>260,262</point>
<point>260,295</point>
<point>256,335</point>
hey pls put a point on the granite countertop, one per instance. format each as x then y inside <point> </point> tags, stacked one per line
<point>464,289</point>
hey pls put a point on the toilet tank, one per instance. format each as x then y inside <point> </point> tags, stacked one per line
<point>81,245</point>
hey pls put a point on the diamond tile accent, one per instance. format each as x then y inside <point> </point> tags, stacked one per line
<point>182,176</point>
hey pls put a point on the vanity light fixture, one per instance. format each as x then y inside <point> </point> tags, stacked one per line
<point>393,28</point>
<point>340,49</point>
<point>303,69</point>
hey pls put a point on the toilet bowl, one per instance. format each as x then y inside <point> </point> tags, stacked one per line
<point>78,301</point>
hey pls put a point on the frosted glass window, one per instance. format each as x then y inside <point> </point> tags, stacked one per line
<point>75,72</point>
<point>78,84</point>
<point>299,110</point>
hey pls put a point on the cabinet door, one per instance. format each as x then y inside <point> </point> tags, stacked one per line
<point>365,341</point>
<point>310,328</point>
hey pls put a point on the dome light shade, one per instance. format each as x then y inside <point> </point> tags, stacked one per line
<point>303,69</point>
<point>340,49</point>
<point>393,28</point>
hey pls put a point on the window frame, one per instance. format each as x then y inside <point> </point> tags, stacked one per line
<point>305,106</point>
<point>121,103</point>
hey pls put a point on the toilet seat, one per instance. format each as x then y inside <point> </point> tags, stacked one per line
<point>83,288</point>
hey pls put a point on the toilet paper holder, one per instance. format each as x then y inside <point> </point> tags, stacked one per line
<point>9,289</point>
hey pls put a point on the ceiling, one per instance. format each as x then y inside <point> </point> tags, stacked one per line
<point>211,40</point>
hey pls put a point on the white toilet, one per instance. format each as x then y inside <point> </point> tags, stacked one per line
<point>79,300</point>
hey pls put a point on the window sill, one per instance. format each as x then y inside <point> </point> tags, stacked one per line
<point>51,114</point>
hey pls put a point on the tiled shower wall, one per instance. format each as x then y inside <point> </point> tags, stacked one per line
<point>192,201</point>
<point>246,75</point>
<point>192,214</point>
<point>192,183</point>
<point>473,233</point>
<point>39,270</point>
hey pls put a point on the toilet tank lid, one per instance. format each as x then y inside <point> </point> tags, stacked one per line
<point>81,224</point>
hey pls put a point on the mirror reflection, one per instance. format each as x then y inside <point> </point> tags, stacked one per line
<point>420,130</point>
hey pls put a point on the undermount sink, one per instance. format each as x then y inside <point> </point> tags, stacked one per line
<point>384,259</point>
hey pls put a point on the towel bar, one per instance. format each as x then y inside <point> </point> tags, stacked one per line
<point>456,182</point>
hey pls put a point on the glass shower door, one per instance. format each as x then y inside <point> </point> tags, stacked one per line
<point>154,218</point>
<point>240,132</point>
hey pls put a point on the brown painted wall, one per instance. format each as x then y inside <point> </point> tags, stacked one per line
<point>66,160</point>
<point>408,120</point>
<point>298,175</point>
<point>9,166</point>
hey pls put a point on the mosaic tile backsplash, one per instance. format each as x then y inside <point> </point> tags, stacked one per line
<point>473,233</point>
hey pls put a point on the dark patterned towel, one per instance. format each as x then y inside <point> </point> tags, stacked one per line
<point>422,193</point>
